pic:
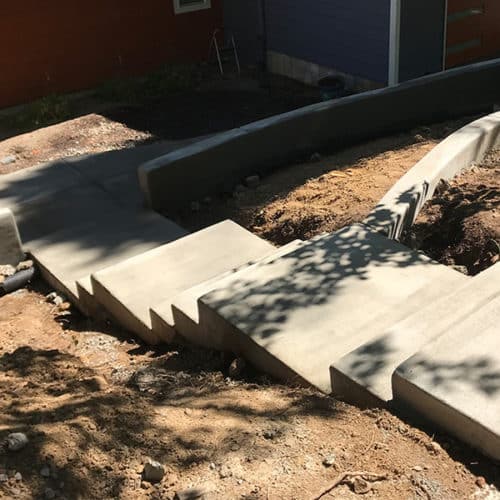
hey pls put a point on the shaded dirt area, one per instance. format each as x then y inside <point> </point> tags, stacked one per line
<point>460,225</point>
<point>175,116</point>
<point>308,198</point>
<point>95,405</point>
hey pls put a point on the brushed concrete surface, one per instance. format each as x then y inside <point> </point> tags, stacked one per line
<point>70,255</point>
<point>367,371</point>
<point>455,380</point>
<point>182,310</point>
<point>315,304</point>
<point>129,289</point>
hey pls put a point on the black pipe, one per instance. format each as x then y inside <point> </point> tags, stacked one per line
<point>17,281</point>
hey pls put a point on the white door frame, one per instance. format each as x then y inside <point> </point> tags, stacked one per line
<point>394,38</point>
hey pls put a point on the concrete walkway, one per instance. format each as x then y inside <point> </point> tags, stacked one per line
<point>352,312</point>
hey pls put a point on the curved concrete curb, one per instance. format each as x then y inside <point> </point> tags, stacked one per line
<point>218,163</point>
<point>10,243</point>
<point>398,209</point>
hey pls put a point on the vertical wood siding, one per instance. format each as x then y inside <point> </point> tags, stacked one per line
<point>63,45</point>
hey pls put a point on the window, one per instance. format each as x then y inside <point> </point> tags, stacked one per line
<point>181,6</point>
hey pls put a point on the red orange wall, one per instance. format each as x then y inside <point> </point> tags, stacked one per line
<point>61,45</point>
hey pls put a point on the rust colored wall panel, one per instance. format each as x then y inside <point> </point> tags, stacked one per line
<point>60,46</point>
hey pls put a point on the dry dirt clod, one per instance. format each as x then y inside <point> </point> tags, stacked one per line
<point>481,482</point>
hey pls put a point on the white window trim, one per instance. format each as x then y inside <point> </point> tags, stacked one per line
<point>395,26</point>
<point>201,5</point>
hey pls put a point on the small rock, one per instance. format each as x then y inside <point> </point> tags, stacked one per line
<point>16,441</point>
<point>419,138</point>
<point>24,265</point>
<point>270,434</point>
<point>197,493</point>
<point>225,472</point>
<point>7,160</point>
<point>360,486</point>
<point>315,157</point>
<point>417,468</point>
<point>235,447</point>
<point>153,471</point>
<point>329,460</point>
<point>434,447</point>
<point>4,478</point>
<point>212,466</point>
<point>18,476</point>
<point>252,181</point>
<point>49,493</point>
<point>45,471</point>
<point>195,206</point>
<point>481,482</point>
<point>236,367</point>
<point>7,270</point>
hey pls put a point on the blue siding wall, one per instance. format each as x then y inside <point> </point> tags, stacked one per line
<point>351,36</point>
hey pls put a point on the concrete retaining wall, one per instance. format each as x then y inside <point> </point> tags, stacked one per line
<point>10,243</point>
<point>218,163</point>
<point>400,206</point>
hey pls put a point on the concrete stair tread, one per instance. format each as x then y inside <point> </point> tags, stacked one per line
<point>129,289</point>
<point>315,304</point>
<point>71,255</point>
<point>366,372</point>
<point>182,310</point>
<point>454,380</point>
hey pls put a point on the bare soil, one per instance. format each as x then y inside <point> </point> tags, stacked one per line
<point>308,198</point>
<point>460,225</point>
<point>95,404</point>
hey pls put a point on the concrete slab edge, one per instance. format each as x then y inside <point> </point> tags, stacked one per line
<point>398,209</point>
<point>218,163</point>
<point>11,251</point>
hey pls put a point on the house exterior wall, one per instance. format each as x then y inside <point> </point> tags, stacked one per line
<point>421,50</point>
<point>65,46</point>
<point>349,36</point>
<point>244,20</point>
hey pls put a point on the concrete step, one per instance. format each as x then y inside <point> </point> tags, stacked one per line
<point>67,257</point>
<point>454,381</point>
<point>364,375</point>
<point>307,309</point>
<point>129,289</point>
<point>182,311</point>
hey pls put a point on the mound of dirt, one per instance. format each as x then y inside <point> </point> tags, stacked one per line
<point>460,225</point>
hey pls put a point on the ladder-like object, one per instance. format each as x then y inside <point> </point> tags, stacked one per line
<point>225,53</point>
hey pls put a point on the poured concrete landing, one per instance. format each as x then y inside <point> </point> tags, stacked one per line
<point>71,255</point>
<point>128,290</point>
<point>315,304</point>
<point>455,380</point>
<point>364,375</point>
<point>182,310</point>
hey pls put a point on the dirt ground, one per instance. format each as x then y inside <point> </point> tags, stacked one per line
<point>334,190</point>
<point>460,225</point>
<point>95,405</point>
